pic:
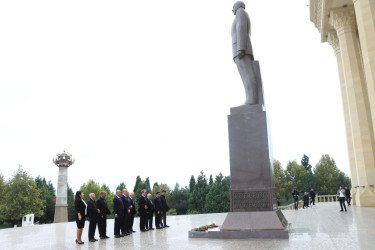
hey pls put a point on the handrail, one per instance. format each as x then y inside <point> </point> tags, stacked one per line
<point>318,198</point>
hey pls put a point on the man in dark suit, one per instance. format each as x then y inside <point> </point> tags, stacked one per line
<point>127,207</point>
<point>132,211</point>
<point>93,214</point>
<point>124,226</point>
<point>295,195</point>
<point>118,211</point>
<point>142,208</point>
<point>347,195</point>
<point>150,212</point>
<point>101,204</point>
<point>164,207</point>
<point>312,195</point>
<point>158,209</point>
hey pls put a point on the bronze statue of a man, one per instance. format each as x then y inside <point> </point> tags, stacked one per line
<point>243,52</point>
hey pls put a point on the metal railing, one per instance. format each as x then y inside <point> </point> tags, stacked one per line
<point>318,198</point>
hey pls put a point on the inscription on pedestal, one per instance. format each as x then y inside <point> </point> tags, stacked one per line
<point>250,200</point>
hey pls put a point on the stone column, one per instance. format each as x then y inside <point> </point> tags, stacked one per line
<point>333,40</point>
<point>365,14</point>
<point>61,207</point>
<point>343,20</point>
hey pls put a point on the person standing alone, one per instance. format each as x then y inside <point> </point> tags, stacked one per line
<point>312,195</point>
<point>347,195</point>
<point>295,194</point>
<point>341,193</point>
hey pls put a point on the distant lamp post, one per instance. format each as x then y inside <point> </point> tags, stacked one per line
<point>63,161</point>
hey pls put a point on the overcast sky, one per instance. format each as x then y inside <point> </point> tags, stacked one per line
<point>144,87</point>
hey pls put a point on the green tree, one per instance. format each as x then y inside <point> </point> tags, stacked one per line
<point>147,182</point>
<point>155,189</point>
<point>121,186</point>
<point>71,208</point>
<point>327,174</point>
<point>198,197</point>
<point>343,180</point>
<point>109,198</point>
<point>48,195</point>
<point>105,188</point>
<point>295,176</point>
<point>137,181</point>
<point>179,199</point>
<point>211,180</point>
<point>282,192</point>
<point>218,198</point>
<point>90,187</point>
<point>310,179</point>
<point>192,183</point>
<point>305,162</point>
<point>21,196</point>
<point>2,188</point>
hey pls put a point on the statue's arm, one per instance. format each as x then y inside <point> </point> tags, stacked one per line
<point>242,30</point>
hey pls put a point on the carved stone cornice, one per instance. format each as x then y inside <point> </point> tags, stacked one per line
<point>343,18</point>
<point>333,39</point>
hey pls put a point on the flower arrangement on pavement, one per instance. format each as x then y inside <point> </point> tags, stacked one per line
<point>205,228</point>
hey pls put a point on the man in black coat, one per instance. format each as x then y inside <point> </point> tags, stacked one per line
<point>132,211</point>
<point>295,195</point>
<point>93,214</point>
<point>127,207</point>
<point>150,212</point>
<point>158,209</point>
<point>142,208</point>
<point>312,195</point>
<point>118,211</point>
<point>164,207</point>
<point>124,223</point>
<point>101,204</point>
<point>347,195</point>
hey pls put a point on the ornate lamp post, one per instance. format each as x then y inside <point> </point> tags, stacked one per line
<point>63,161</point>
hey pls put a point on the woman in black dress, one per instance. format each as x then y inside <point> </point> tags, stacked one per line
<point>81,211</point>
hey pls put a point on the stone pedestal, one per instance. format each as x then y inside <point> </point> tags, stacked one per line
<point>61,207</point>
<point>363,196</point>
<point>61,213</point>
<point>253,207</point>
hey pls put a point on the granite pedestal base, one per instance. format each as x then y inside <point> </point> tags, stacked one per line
<point>253,204</point>
<point>262,224</point>
<point>61,213</point>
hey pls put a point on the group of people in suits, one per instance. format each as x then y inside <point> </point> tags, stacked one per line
<point>124,210</point>
<point>306,197</point>
<point>148,206</point>
<point>95,211</point>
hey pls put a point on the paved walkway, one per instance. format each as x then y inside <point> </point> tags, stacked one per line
<point>320,227</point>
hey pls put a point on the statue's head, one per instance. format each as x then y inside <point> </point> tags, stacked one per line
<point>238,5</point>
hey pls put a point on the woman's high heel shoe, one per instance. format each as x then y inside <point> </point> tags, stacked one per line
<point>80,243</point>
